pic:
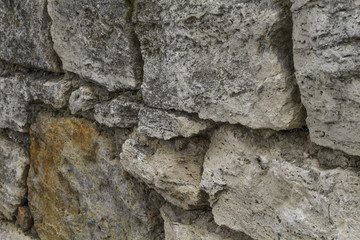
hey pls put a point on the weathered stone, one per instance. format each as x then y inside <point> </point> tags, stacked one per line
<point>77,189</point>
<point>166,125</point>
<point>25,34</point>
<point>50,88</point>
<point>14,164</point>
<point>327,61</point>
<point>8,231</point>
<point>227,61</point>
<point>85,97</point>
<point>120,112</point>
<point>281,186</point>
<point>14,99</point>
<point>24,218</point>
<point>173,168</point>
<point>195,225</point>
<point>95,40</point>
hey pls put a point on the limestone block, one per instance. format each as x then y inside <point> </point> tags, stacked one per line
<point>77,189</point>
<point>229,61</point>
<point>8,231</point>
<point>327,63</point>
<point>96,41</point>
<point>25,34</point>
<point>84,98</point>
<point>166,125</point>
<point>281,186</point>
<point>173,168</point>
<point>14,165</point>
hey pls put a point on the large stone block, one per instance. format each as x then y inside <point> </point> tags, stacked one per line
<point>225,60</point>
<point>25,34</point>
<point>173,168</point>
<point>14,165</point>
<point>327,61</point>
<point>95,39</point>
<point>77,189</point>
<point>14,102</point>
<point>281,186</point>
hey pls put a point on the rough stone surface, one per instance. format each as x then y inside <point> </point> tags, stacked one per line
<point>24,218</point>
<point>77,189</point>
<point>95,40</point>
<point>25,34</point>
<point>50,88</point>
<point>173,168</point>
<point>85,97</point>
<point>195,225</point>
<point>166,125</point>
<point>8,231</point>
<point>14,99</point>
<point>280,185</point>
<point>227,61</point>
<point>120,112</point>
<point>327,62</point>
<point>14,164</point>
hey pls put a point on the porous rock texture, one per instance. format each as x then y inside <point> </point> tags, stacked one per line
<point>227,61</point>
<point>281,186</point>
<point>179,119</point>
<point>172,168</point>
<point>14,165</point>
<point>77,189</point>
<point>327,61</point>
<point>195,225</point>
<point>96,40</point>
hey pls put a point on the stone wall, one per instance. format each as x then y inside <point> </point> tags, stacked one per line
<point>174,119</point>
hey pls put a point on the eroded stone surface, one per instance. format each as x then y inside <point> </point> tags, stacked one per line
<point>280,185</point>
<point>50,88</point>
<point>25,34</point>
<point>14,164</point>
<point>227,61</point>
<point>85,97</point>
<point>24,218</point>
<point>77,189</point>
<point>195,225</point>
<point>14,101</point>
<point>327,62</point>
<point>173,168</point>
<point>8,231</point>
<point>166,125</point>
<point>95,40</point>
<point>120,112</point>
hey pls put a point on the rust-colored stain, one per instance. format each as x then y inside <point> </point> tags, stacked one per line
<point>51,197</point>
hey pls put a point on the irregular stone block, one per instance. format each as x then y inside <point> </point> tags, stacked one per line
<point>225,60</point>
<point>172,168</point>
<point>166,125</point>
<point>50,88</point>
<point>327,61</point>
<point>281,186</point>
<point>120,112</point>
<point>85,97</point>
<point>195,225</point>
<point>96,40</point>
<point>77,189</point>
<point>25,34</point>
<point>24,218</point>
<point>8,231</point>
<point>14,165</point>
<point>14,101</point>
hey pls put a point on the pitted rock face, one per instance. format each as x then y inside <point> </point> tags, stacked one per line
<point>173,168</point>
<point>25,34</point>
<point>279,185</point>
<point>77,189</point>
<point>95,39</point>
<point>227,61</point>
<point>14,165</point>
<point>327,61</point>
